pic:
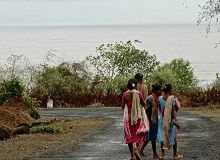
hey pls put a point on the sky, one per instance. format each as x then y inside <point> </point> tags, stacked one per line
<point>97,12</point>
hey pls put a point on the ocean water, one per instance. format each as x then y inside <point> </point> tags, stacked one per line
<point>75,43</point>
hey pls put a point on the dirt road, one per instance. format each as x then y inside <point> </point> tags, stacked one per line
<point>198,138</point>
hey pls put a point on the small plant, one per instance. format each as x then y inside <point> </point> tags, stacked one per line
<point>216,84</point>
<point>45,129</point>
<point>31,103</point>
<point>10,88</point>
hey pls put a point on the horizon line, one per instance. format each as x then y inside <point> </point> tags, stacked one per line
<point>101,25</point>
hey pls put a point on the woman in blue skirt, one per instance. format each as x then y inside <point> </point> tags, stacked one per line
<point>152,114</point>
<point>168,124</point>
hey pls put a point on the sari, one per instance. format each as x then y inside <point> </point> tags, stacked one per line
<point>135,119</point>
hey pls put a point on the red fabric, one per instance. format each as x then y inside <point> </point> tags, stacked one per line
<point>133,128</point>
<point>157,101</point>
<point>156,98</point>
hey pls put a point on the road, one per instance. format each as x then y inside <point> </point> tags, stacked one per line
<point>198,138</point>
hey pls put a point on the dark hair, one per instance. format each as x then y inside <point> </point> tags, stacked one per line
<point>156,87</point>
<point>167,88</point>
<point>132,83</point>
<point>138,76</point>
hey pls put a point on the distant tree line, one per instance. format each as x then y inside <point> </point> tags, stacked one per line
<point>99,79</point>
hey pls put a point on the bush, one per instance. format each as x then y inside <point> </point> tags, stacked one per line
<point>215,86</point>
<point>45,129</point>
<point>120,59</point>
<point>178,72</point>
<point>10,88</point>
<point>163,75</point>
<point>64,78</point>
<point>185,74</point>
<point>31,103</point>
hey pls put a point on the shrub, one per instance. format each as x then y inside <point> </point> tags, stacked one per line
<point>114,60</point>
<point>64,78</point>
<point>178,72</point>
<point>10,88</point>
<point>45,129</point>
<point>31,103</point>
<point>216,84</point>
<point>185,74</point>
<point>163,75</point>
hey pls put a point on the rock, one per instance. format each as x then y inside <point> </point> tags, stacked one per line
<point>3,134</point>
<point>22,128</point>
<point>35,114</point>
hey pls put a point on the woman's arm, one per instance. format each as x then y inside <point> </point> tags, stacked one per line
<point>142,101</point>
<point>174,115</point>
<point>123,103</point>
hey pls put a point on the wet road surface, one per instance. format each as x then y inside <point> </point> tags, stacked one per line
<point>199,138</point>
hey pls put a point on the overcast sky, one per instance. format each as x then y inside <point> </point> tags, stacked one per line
<point>98,12</point>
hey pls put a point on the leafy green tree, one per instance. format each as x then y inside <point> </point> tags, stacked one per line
<point>10,88</point>
<point>163,75</point>
<point>64,78</point>
<point>184,73</point>
<point>120,59</point>
<point>178,72</point>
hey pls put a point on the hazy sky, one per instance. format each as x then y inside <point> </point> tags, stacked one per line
<point>97,12</point>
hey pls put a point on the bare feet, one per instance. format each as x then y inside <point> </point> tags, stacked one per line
<point>137,155</point>
<point>176,157</point>
<point>142,154</point>
<point>156,157</point>
<point>132,158</point>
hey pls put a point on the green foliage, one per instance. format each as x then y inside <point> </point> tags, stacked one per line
<point>163,75</point>
<point>31,103</point>
<point>10,88</point>
<point>184,73</point>
<point>45,129</point>
<point>64,78</point>
<point>216,84</point>
<point>120,59</point>
<point>183,70</point>
<point>120,83</point>
<point>178,72</point>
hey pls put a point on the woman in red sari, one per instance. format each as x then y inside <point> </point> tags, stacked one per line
<point>135,120</point>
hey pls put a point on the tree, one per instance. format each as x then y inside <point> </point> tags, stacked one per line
<point>184,72</point>
<point>64,78</point>
<point>10,88</point>
<point>120,59</point>
<point>163,75</point>
<point>178,72</point>
<point>209,12</point>
<point>18,66</point>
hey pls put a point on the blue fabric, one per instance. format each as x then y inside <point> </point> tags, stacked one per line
<point>148,101</point>
<point>160,124</point>
<point>152,134</point>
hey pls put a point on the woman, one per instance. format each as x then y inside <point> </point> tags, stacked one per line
<point>152,114</point>
<point>141,86</point>
<point>135,120</point>
<point>168,123</point>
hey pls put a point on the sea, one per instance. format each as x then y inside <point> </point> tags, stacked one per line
<point>75,43</point>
